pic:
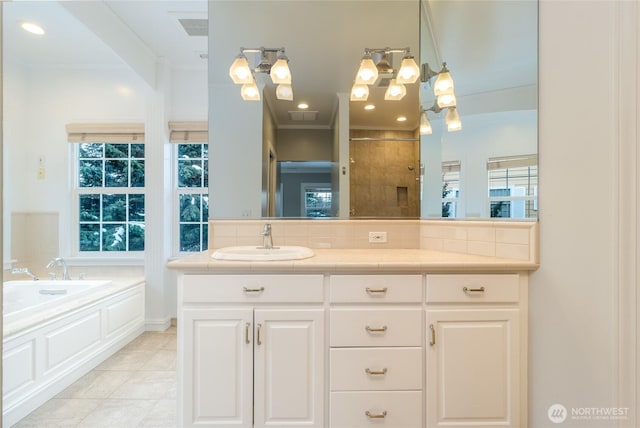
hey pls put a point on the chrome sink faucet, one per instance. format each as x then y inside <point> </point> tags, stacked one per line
<point>267,239</point>
<point>59,261</point>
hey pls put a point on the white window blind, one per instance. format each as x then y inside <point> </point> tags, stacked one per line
<point>105,132</point>
<point>189,132</point>
<point>512,162</point>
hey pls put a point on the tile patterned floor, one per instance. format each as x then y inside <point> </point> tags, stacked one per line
<point>134,388</point>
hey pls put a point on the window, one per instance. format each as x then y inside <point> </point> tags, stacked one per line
<point>513,186</point>
<point>110,196</point>
<point>450,187</point>
<point>191,177</point>
<point>192,196</point>
<point>317,200</point>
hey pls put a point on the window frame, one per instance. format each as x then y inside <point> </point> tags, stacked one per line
<point>511,163</point>
<point>77,191</point>
<point>175,197</point>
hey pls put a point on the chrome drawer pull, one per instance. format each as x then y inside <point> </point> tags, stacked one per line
<point>253,290</point>
<point>376,372</point>
<point>247,326</point>
<point>473,290</point>
<point>376,415</point>
<point>376,330</point>
<point>432,341</point>
<point>376,290</point>
<point>258,338</point>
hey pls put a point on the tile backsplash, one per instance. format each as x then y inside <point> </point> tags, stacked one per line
<point>504,239</point>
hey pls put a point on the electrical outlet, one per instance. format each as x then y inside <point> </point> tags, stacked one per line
<point>378,237</point>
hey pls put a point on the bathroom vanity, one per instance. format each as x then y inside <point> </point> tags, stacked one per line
<point>353,338</point>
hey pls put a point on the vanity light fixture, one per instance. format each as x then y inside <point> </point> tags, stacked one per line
<point>443,84</point>
<point>359,92</point>
<point>451,119</point>
<point>32,28</point>
<point>376,63</point>
<point>395,91</point>
<point>273,62</point>
<point>425,125</point>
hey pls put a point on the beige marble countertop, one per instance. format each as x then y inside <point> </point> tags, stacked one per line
<point>357,261</point>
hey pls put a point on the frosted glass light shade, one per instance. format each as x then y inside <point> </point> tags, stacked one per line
<point>425,125</point>
<point>408,71</point>
<point>239,71</point>
<point>395,91</point>
<point>452,119</point>
<point>368,72</point>
<point>359,92</point>
<point>443,84</point>
<point>284,92</point>
<point>280,73</point>
<point>250,92</point>
<point>446,100</point>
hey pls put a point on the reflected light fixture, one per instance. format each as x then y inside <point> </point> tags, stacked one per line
<point>425,125</point>
<point>377,64</point>
<point>368,72</point>
<point>443,84</point>
<point>452,120</point>
<point>273,62</point>
<point>250,92</point>
<point>401,118</point>
<point>395,91</point>
<point>408,71</point>
<point>359,92</point>
<point>284,92</point>
<point>370,107</point>
<point>303,106</point>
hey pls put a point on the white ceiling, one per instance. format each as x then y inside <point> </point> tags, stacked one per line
<point>489,45</point>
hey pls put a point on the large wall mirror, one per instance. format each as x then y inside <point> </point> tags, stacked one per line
<point>270,157</point>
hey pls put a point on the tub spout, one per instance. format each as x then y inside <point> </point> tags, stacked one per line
<point>25,271</point>
<point>59,261</point>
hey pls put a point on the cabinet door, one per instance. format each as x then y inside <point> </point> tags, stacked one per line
<point>473,368</point>
<point>215,370</point>
<point>289,368</point>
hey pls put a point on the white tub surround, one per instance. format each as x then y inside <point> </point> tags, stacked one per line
<point>353,337</point>
<point>45,351</point>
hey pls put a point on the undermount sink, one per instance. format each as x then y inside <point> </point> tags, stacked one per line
<point>249,253</point>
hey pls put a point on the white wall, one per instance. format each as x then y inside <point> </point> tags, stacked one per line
<point>572,296</point>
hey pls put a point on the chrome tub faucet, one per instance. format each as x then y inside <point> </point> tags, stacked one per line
<point>25,271</point>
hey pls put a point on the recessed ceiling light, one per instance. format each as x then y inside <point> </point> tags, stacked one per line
<point>401,118</point>
<point>32,28</point>
<point>303,105</point>
<point>369,107</point>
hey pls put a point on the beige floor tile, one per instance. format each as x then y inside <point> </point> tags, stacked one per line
<point>148,341</point>
<point>59,412</point>
<point>118,414</point>
<point>96,384</point>
<point>126,360</point>
<point>152,385</point>
<point>162,360</point>
<point>172,344</point>
<point>163,415</point>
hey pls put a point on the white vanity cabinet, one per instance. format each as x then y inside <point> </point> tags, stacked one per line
<point>376,339</point>
<point>476,350</point>
<point>253,351</point>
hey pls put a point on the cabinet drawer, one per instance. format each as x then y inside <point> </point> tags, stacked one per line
<point>376,288</point>
<point>473,288</point>
<point>252,288</point>
<point>397,409</point>
<point>376,327</point>
<point>376,369</point>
